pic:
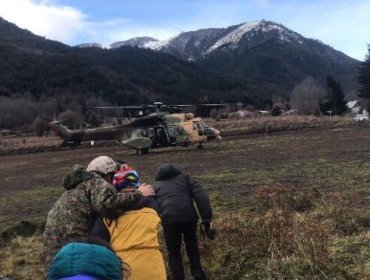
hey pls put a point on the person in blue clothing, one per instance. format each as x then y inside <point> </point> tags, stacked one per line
<point>86,261</point>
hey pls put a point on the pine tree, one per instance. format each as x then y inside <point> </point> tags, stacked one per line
<point>276,111</point>
<point>336,96</point>
<point>364,77</point>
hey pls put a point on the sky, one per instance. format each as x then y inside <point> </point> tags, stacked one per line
<point>341,24</point>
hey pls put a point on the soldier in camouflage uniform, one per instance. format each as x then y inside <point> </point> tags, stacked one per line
<point>88,194</point>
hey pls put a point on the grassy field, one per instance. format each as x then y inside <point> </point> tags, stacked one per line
<point>293,205</point>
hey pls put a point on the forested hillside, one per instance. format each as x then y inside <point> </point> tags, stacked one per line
<point>42,78</point>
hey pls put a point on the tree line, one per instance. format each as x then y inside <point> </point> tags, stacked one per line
<point>70,85</point>
<point>309,97</point>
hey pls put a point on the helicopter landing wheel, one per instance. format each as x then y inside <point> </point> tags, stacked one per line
<point>142,151</point>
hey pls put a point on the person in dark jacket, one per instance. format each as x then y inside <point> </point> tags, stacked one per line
<point>175,193</point>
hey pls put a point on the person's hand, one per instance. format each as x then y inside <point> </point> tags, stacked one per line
<point>208,231</point>
<point>146,189</point>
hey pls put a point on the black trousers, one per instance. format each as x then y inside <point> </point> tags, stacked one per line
<point>173,235</point>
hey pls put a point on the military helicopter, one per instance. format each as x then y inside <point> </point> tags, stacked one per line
<point>157,129</point>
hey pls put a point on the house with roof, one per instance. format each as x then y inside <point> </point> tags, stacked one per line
<point>355,108</point>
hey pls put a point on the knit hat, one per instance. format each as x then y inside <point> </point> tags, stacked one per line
<point>125,178</point>
<point>85,259</point>
<point>102,164</point>
<point>79,277</point>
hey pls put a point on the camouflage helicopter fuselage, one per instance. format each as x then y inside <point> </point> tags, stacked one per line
<point>76,136</point>
<point>158,129</point>
<point>162,130</point>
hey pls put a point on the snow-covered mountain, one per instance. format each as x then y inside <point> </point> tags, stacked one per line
<point>195,44</point>
<point>89,45</point>
<point>263,51</point>
<point>250,62</point>
<point>249,30</point>
<point>140,42</point>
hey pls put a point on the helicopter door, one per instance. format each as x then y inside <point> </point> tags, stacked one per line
<point>198,126</point>
<point>172,134</point>
<point>161,137</point>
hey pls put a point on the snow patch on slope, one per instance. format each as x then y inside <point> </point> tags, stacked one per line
<point>234,36</point>
<point>158,45</point>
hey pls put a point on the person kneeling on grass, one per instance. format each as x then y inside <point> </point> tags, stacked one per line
<point>134,235</point>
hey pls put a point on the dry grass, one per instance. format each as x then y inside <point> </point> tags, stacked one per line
<point>22,259</point>
<point>280,240</point>
<point>290,234</point>
<point>228,127</point>
<point>275,124</point>
<point>22,144</point>
<point>291,206</point>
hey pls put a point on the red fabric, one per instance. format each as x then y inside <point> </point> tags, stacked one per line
<point>120,174</point>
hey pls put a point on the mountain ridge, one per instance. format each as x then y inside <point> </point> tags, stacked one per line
<point>255,60</point>
<point>223,36</point>
<point>223,50</point>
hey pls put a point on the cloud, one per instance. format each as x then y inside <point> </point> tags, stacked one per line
<point>262,3</point>
<point>42,18</point>
<point>62,23</point>
<point>342,25</point>
<point>71,26</point>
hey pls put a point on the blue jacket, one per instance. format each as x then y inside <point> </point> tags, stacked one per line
<point>83,260</point>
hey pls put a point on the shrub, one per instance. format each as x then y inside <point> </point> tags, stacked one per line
<point>339,213</point>
<point>284,198</point>
<point>276,111</point>
<point>40,126</point>
<point>71,119</point>
<point>276,244</point>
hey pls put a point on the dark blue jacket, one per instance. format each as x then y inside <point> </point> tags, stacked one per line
<point>175,193</point>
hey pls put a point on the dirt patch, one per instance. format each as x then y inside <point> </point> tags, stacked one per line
<point>290,205</point>
<point>32,182</point>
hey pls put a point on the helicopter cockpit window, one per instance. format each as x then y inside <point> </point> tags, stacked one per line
<point>143,132</point>
<point>171,130</point>
<point>180,130</point>
<point>151,132</point>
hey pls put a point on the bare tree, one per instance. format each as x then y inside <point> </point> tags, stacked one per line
<point>17,112</point>
<point>306,96</point>
<point>40,126</point>
<point>71,119</point>
<point>214,114</point>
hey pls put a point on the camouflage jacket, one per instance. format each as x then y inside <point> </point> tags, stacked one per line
<point>73,215</point>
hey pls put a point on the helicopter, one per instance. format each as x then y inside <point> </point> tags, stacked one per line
<point>160,128</point>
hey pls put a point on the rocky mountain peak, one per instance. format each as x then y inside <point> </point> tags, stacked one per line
<point>134,42</point>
